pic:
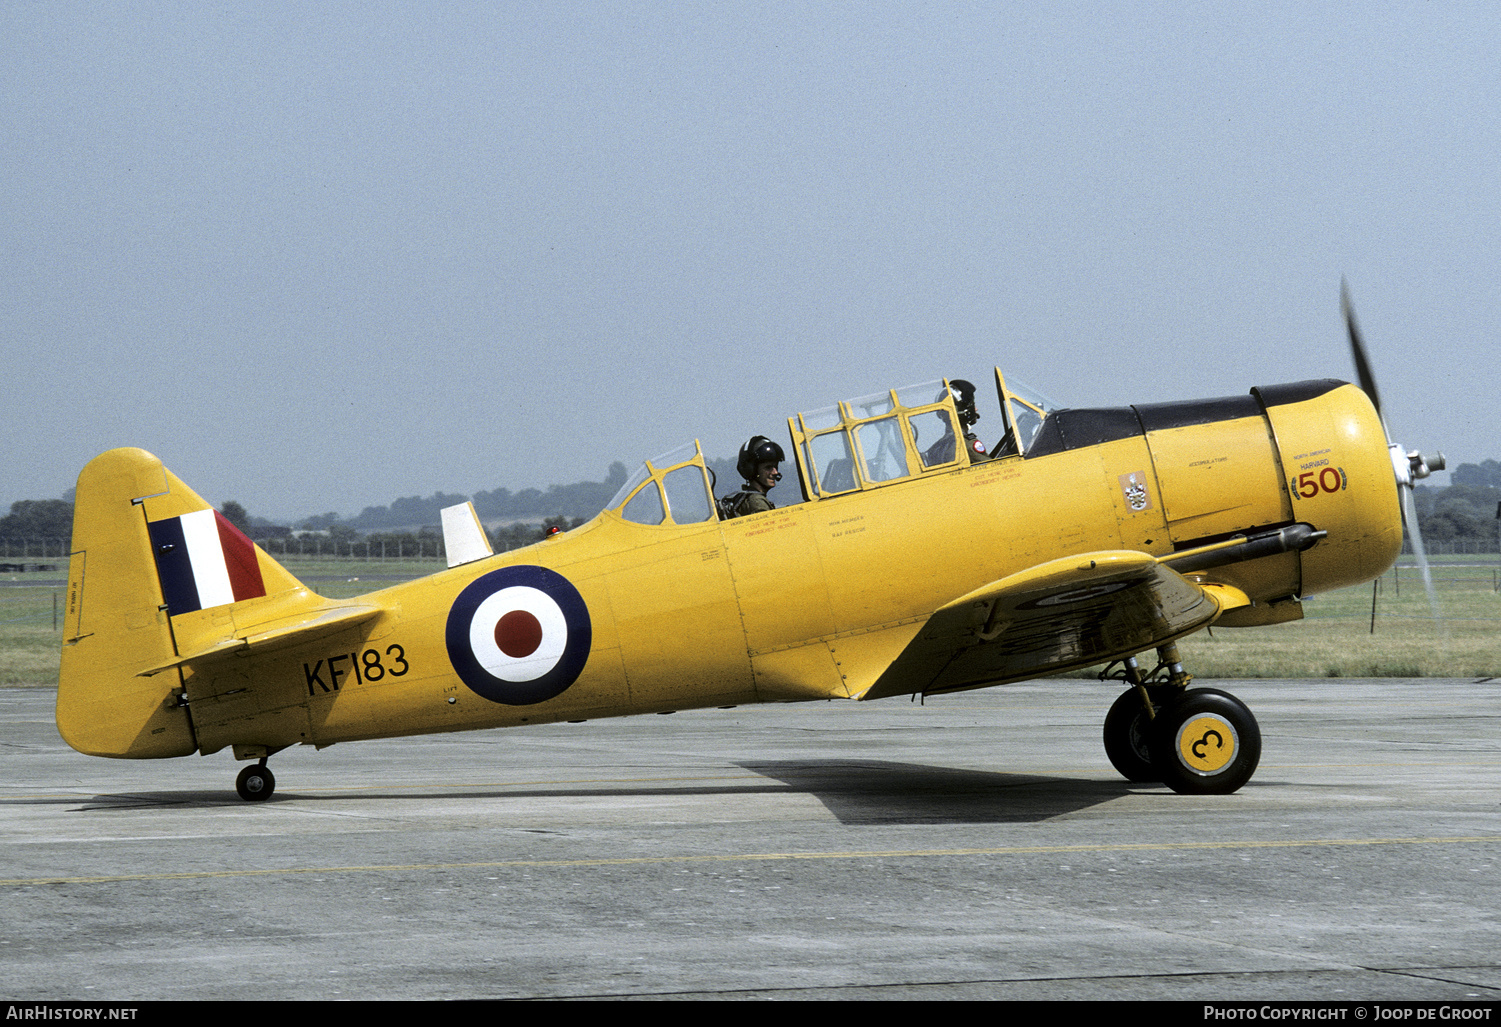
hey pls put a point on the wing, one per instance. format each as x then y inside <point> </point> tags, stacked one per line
<point>1056,616</point>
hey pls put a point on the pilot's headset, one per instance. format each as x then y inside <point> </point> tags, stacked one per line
<point>964,401</point>
<point>759,450</point>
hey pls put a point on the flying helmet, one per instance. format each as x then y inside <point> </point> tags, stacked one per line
<point>759,450</point>
<point>964,400</point>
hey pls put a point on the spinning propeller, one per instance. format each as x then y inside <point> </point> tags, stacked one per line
<point>1408,465</point>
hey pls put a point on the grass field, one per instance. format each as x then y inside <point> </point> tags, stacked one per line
<point>30,644</point>
<point>1333,640</point>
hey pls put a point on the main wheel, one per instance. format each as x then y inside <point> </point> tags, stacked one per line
<point>1128,738</point>
<point>1207,743</point>
<point>255,783</point>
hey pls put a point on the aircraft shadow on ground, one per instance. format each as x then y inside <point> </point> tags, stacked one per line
<point>884,792</point>
<point>854,791</point>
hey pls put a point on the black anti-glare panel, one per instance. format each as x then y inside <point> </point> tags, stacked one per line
<point>1295,392</point>
<point>1075,429</point>
<point>1158,416</point>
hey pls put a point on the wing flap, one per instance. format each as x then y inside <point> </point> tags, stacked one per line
<point>1055,616</point>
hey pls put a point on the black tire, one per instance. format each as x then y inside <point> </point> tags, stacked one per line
<point>255,783</point>
<point>1208,743</point>
<point>1128,738</point>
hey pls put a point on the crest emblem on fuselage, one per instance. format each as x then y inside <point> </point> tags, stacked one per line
<point>519,635</point>
<point>1134,488</point>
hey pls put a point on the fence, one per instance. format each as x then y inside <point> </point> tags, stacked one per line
<point>431,548</point>
<point>1454,547</point>
<point>23,554</point>
<point>358,550</point>
<point>35,547</point>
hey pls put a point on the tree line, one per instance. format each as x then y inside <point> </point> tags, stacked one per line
<point>1463,511</point>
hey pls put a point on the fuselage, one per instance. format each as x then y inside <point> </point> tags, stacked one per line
<point>814,600</point>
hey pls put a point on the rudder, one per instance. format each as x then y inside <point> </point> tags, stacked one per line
<point>155,573</point>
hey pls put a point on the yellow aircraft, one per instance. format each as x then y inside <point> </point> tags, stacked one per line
<point>913,567</point>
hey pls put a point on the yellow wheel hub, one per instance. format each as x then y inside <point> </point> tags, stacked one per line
<point>1207,743</point>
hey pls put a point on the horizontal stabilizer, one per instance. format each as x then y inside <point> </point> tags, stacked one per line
<point>262,638</point>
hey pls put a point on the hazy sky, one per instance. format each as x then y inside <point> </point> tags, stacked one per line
<point>319,256</point>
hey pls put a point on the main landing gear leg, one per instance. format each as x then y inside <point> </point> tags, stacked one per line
<point>1128,725</point>
<point>256,782</point>
<point>1201,741</point>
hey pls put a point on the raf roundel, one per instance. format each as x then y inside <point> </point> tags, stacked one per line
<point>519,635</point>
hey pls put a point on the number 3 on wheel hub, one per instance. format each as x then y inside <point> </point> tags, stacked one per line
<point>1206,744</point>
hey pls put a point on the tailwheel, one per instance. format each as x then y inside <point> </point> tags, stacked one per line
<point>256,783</point>
<point>1206,743</point>
<point>1128,735</point>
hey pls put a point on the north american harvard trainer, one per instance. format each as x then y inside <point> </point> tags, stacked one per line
<point>1089,536</point>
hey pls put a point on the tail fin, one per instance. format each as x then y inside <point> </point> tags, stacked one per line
<point>157,576</point>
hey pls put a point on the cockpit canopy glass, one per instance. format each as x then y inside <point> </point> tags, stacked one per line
<point>1026,408</point>
<point>873,440</point>
<point>672,488</point>
<point>887,436</point>
<point>861,443</point>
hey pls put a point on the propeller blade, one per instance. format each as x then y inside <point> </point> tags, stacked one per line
<point>1407,466</point>
<point>1357,349</point>
<point>1410,515</point>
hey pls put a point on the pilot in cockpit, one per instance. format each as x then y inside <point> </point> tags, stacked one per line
<point>942,451</point>
<point>758,466</point>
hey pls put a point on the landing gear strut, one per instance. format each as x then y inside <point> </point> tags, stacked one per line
<point>1200,742</point>
<point>256,782</point>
